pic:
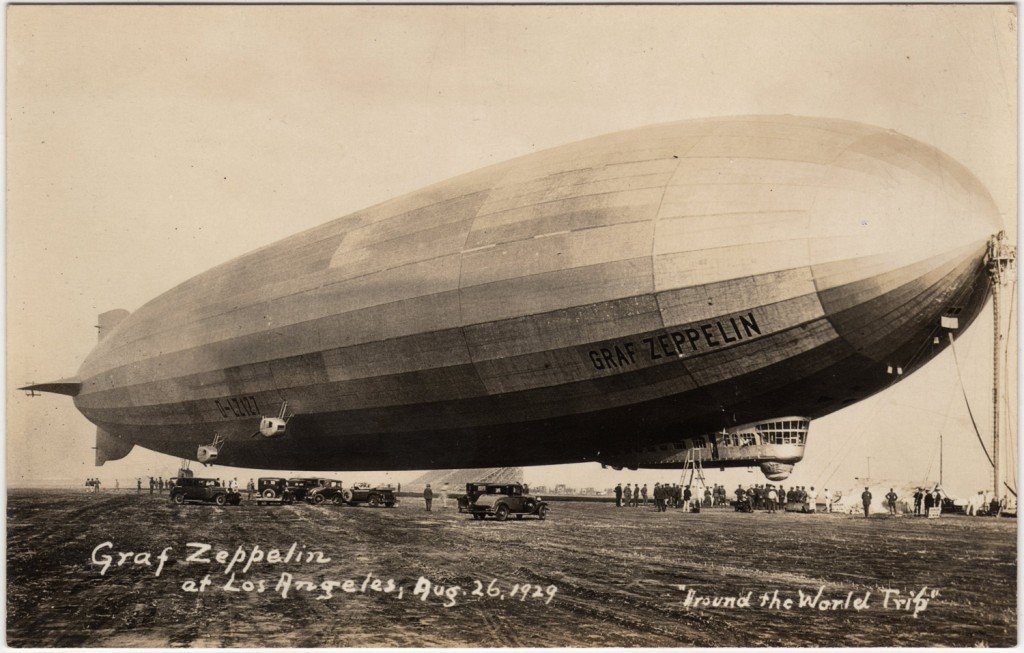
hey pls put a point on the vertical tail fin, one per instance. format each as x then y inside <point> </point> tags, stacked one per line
<point>109,320</point>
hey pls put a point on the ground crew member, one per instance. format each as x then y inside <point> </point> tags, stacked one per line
<point>636,495</point>
<point>891,498</point>
<point>249,489</point>
<point>618,495</point>
<point>627,495</point>
<point>138,486</point>
<point>865,498</point>
<point>428,496</point>
<point>918,497</point>
<point>643,491</point>
<point>772,497</point>
<point>687,495</point>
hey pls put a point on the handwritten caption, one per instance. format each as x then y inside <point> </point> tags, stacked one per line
<point>230,569</point>
<point>913,602</point>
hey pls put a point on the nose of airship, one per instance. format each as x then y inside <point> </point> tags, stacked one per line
<point>892,196</point>
<point>898,242</point>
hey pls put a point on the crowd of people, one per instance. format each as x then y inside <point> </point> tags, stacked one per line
<point>772,499</point>
<point>665,495</point>
<point>767,497</point>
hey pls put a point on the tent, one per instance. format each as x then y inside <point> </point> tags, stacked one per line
<point>850,502</point>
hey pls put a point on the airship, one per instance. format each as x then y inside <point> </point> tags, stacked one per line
<point>693,292</point>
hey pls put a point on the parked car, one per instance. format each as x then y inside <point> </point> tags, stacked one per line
<point>274,488</point>
<point>203,490</point>
<point>374,496</point>
<point>501,500</point>
<point>328,490</point>
<point>299,487</point>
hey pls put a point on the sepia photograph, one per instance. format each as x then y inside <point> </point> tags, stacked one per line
<point>504,326</point>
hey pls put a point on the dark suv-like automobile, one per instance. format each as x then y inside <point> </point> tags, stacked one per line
<point>500,501</point>
<point>203,490</point>
<point>363,493</point>
<point>328,490</point>
<point>271,487</point>
<point>300,487</point>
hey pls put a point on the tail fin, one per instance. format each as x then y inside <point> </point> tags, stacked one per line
<point>110,447</point>
<point>109,320</point>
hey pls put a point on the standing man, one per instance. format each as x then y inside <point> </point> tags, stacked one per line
<point>234,484</point>
<point>138,485</point>
<point>428,496</point>
<point>891,500</point>
<point>249,488</point>
<point>627,495</point>
<point>618,495</point>
<point>865,498</point>
<point>636,495</point>
<point>937,498</point>
<point>687,495</point>
<point>444,495</point>
<point>772,498</point>
<point>918,497</point>
<point>643,491</point>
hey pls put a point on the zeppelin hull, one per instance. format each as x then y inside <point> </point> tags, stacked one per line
<point>630,289</point>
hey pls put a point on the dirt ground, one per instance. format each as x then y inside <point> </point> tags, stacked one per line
<point>598,576</point>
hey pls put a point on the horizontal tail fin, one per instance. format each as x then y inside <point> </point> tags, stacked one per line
<point>70,387</point>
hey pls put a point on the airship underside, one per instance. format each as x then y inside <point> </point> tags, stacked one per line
<point>594,302</point>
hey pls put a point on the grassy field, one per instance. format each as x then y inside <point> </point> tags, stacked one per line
<point>598,576</point>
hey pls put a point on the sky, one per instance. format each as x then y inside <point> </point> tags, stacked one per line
<point>148,144</point>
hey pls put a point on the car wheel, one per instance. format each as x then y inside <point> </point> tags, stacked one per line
<point>178,498</point>
<point>220,499</point>
<point>346,495</point>
<point>542,512</point>
<point>318,499</point>
<point>374,500</point>
<point>338,501</point>
<point>269,493</point>
<point>501,512</point>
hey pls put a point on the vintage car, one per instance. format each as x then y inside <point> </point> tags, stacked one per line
<point>203,490</point>
<point>300,487</point>
<point>501,500</point>
<point>274,488</point>
<point>328,490</point>
<point>363,493</point>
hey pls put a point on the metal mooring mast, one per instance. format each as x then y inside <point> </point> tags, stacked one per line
<point>1000,263</point>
